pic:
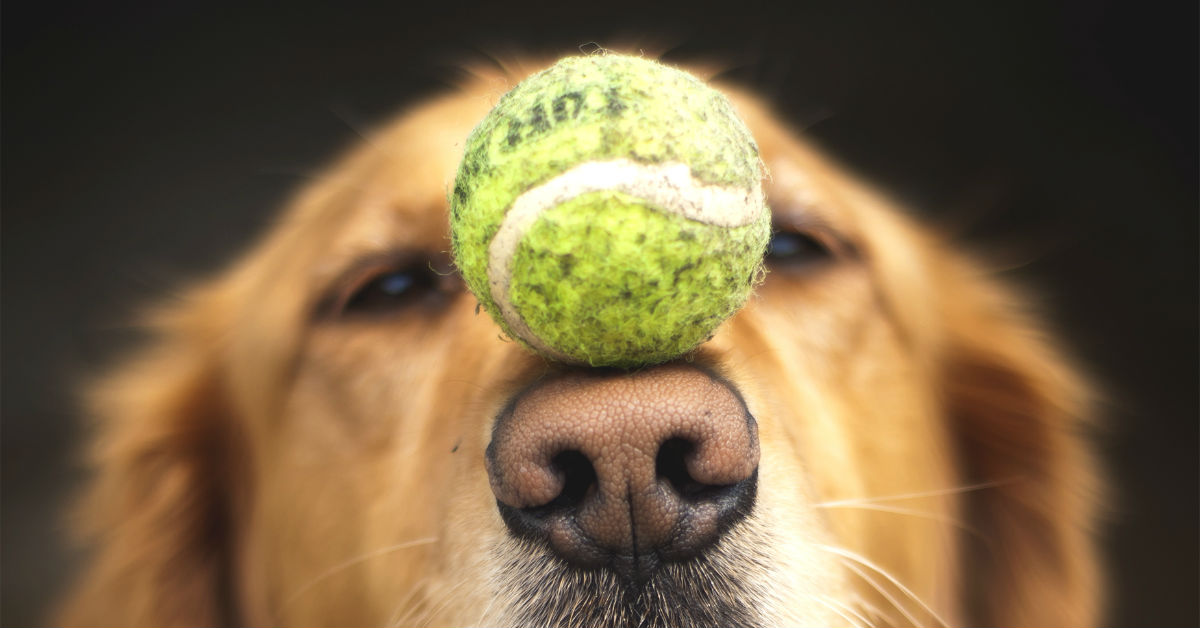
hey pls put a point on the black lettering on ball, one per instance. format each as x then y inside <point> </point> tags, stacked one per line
<point>615,106</point>
<point>537,119</point>
<point>514,134</point>
<point>567,106</point>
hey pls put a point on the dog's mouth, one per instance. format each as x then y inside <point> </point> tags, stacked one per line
<point>720,586</point>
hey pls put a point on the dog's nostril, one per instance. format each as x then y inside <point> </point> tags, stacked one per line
<point>579,478</point>
<point>671,465</point>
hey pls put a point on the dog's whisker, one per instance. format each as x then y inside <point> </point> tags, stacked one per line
<point>469,382</point>
<point>875,584</point>
<point>344,565</point>
<point>910,512</point>
<point>873,612</point>
<point>485,615</point>
<point>409,614</point>
<point>866,562</point>
<point>435,610</point>
<point>917,495</point>
<point>426,614</point>
<point>860,614</point>
<point>840,612</point>
<point>404,606</point>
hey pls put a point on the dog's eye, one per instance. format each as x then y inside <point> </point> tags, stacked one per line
<point>792,249</point>
<point>392,288</point>
<point>387,289</point>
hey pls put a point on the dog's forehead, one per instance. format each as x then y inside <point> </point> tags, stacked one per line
<point>396,184</point>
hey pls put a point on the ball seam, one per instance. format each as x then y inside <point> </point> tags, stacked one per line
<point>670,187</point>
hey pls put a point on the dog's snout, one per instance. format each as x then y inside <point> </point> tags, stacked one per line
<point>625,470</point>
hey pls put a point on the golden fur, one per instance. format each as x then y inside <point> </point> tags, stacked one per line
<point>266,461</point>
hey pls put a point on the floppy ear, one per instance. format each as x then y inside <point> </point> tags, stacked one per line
<point>158,513</point>
<point>1020,415</point>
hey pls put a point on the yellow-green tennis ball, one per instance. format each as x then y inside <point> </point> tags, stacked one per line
<point>609,211</point>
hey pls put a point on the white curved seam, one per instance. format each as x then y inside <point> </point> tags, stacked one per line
<point>669,187</point>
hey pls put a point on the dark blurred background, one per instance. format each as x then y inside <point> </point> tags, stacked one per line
<point>145,142</point>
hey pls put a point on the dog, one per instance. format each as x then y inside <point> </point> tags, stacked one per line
<point>331,432</point>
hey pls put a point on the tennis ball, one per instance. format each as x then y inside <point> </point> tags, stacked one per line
<point>609,212</point>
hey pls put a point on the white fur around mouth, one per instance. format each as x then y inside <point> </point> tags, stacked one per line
<point>670,187</point>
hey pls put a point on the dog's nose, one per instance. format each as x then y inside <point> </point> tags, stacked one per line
<point>625,470</point>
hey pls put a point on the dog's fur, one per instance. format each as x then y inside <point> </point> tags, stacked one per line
<point>273,459</point>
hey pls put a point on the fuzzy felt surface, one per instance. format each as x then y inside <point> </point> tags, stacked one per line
<point>597,108</point>
<point>611,281</point>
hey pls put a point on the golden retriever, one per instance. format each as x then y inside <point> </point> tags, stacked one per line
<point>331,433</point>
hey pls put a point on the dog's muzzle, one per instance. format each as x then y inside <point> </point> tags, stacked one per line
<point>625,471</point>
